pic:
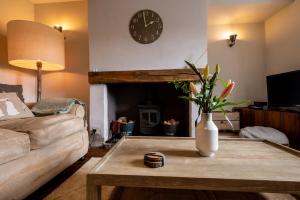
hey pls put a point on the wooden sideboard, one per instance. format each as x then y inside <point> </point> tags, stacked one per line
<point>223,124</point>
<point>287,122</point>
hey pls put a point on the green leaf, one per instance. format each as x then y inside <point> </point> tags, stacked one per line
<point>221,105</point>
<point>213,79</point>
<point>183,86</point>
<point>227,119</point>
<point>189,99</point>
<point>193,67</point>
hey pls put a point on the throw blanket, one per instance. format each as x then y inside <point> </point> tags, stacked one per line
<point>51,106</point>
<point>266,133</point>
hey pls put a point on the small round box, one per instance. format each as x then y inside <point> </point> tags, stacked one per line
<point>154,159</point>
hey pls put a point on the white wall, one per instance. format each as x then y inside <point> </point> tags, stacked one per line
<point>112,48</point>
<point>283,40</point>
<point>244,63</point>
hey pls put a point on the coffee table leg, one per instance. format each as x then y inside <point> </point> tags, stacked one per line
<point>93,192</point>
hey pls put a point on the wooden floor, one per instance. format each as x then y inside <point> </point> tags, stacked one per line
<point>60,178</point>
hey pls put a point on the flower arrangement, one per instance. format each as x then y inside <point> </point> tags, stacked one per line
<point>204,97</point>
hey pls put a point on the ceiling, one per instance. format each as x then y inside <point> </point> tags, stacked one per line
<point>243,11</point>
<point>51,1</point>
<point>229,11</point>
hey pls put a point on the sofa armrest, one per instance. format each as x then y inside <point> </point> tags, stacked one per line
<point>77,110</point>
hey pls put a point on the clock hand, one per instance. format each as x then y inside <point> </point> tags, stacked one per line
<point>152,22</point>
<point>144,19</point>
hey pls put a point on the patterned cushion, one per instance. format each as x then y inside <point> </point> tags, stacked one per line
<point>11,107</point>
<point>13,145</point>
<point>18,89</point>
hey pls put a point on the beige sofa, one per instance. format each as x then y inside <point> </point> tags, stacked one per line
<point>34,150</point>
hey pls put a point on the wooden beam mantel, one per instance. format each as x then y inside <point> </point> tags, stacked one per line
<point>142,76</point>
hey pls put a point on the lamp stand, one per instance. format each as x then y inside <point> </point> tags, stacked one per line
<point>39,66</point>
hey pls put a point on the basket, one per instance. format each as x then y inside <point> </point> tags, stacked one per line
<point>127,129</point>
<point>170,130</point>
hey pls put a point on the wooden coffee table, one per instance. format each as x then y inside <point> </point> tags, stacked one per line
<point>240,165</point>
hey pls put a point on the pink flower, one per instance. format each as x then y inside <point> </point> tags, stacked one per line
<point>227,91</point>
<point>193,89</point>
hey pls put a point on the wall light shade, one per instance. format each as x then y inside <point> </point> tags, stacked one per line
<point>30,42</point>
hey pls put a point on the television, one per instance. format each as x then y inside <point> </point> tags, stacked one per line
<point>284,89</point>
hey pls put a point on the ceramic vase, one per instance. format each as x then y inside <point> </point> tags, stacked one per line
<point>207,136</point>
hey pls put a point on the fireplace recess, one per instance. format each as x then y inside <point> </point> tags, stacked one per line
<point>105,83</point>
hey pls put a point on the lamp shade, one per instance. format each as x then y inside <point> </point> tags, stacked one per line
<point>30,42</point>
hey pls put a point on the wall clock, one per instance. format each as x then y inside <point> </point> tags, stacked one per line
<point>145,26</point>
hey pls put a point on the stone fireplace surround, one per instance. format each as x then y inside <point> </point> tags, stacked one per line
<point>99,98</point>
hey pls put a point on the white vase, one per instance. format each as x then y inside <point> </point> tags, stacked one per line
<point>207,136</point>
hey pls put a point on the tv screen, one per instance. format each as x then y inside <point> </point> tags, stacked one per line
<point>284,89</point>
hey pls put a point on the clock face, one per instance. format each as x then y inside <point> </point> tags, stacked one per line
<point>145,26</point>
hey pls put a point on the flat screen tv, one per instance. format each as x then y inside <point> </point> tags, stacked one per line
<point>284,89</point>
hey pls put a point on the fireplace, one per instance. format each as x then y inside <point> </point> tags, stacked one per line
<point>144,96</point>
<point>148,105</point>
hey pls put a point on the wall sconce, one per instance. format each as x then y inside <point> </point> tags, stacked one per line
<point>232,40</point>
<point>59,28</point>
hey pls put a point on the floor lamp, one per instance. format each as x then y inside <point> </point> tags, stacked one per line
<point>35,46</point>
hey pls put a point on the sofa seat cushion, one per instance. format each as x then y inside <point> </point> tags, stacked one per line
<point>13,145</point>
<point>43,131</point>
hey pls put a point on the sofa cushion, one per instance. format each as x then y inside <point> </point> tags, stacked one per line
<point>13,145</point>
<point>18,89</point>
<point>11,107</point>
<point>43,131</point>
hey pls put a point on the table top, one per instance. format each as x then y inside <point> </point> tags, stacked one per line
<point>239,165</point>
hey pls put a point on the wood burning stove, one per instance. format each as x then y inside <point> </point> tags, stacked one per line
<point>149,116</point>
